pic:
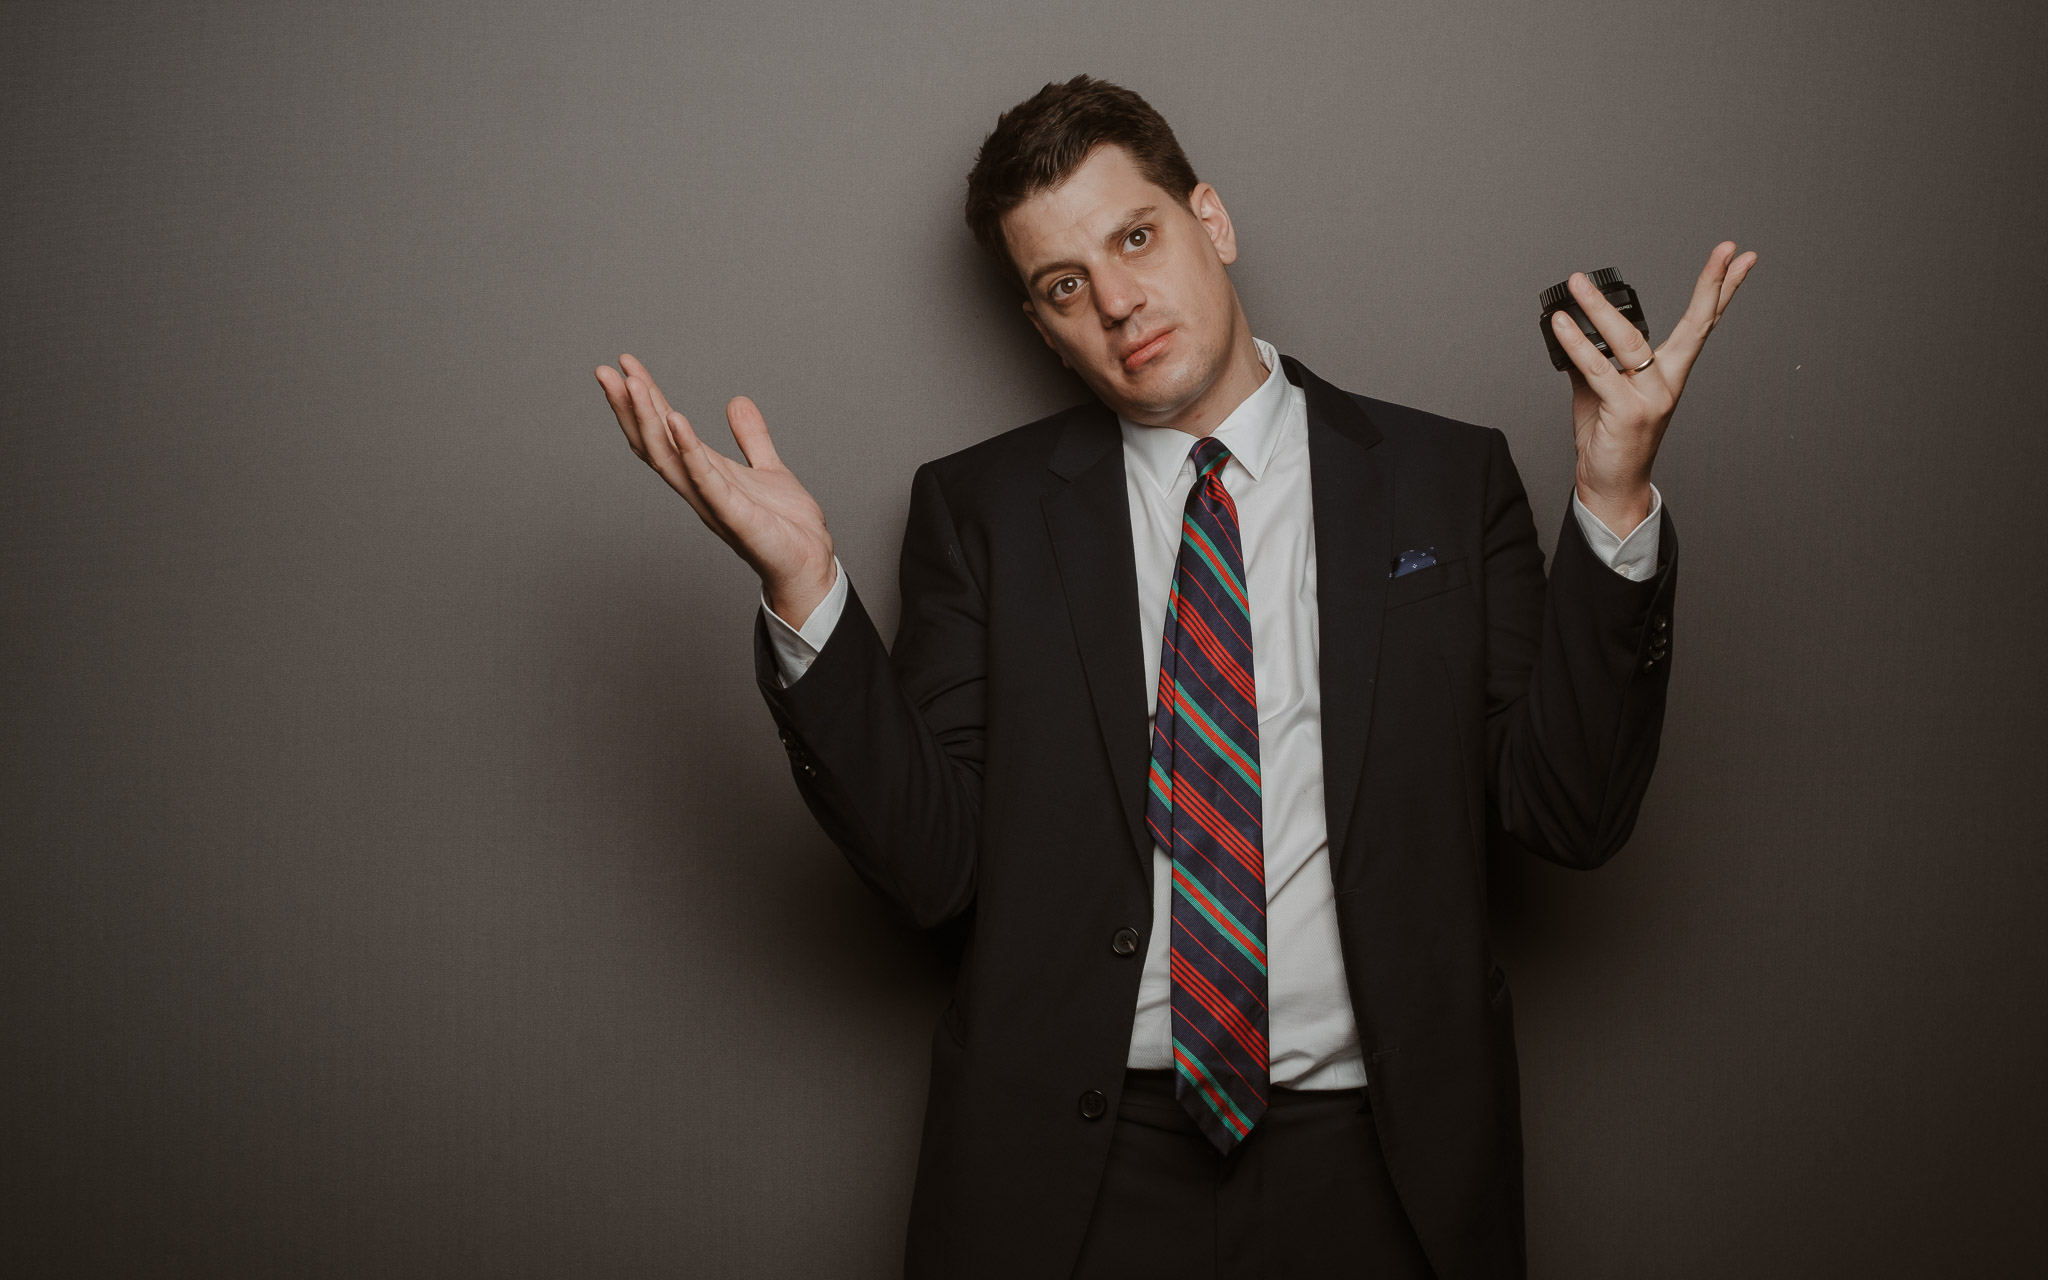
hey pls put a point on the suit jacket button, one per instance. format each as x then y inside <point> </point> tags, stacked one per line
<point>1661,622</point>
<point>1124,941</point>
<point>1093,1104</point>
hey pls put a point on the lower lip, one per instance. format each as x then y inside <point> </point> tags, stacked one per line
<point>1136,359</point>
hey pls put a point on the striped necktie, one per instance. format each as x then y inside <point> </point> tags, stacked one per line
<point>1203,808</point>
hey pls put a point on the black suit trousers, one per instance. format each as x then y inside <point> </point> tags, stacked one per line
<point>1307,1194</point>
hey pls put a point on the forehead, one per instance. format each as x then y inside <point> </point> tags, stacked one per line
<point>1077,217</point>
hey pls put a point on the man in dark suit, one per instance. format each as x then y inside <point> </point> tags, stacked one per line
<point>1208,700</point>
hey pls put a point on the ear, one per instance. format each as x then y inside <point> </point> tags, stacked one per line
<point>1215,219</point>
<point>1039,325</point>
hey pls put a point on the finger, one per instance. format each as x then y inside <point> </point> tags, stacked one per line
<point>646,418</point>
<point>1623,339</point>
<point>621,401</point>
<point>710,476</point>
<point>1586,357</point>
<point>1703,309</point>
<point>661,445</point>
<point>633,368</point>
<point>1738,271</point>
<point>672,457</point>
<point>750,430</point>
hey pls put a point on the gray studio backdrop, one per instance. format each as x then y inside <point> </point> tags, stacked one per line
<point>400,873</point>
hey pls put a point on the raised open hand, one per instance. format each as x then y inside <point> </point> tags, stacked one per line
<point>758,508</point>
<point>1619,415</point>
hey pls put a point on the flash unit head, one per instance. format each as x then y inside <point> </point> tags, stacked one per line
<point>1558,297</point>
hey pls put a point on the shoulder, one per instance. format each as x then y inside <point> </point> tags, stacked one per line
<point>1403,431</point>
<point>1014,465</point>
<point>1419,432</point>
<point>1030,445</point>
<point>1439,462</point>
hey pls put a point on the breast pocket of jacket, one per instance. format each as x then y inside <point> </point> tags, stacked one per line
<point>1423,584</point>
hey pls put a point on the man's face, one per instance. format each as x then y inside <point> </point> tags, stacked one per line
<point>1129,286</point>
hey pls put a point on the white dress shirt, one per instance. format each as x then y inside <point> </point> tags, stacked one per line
<point>1312,1036</point>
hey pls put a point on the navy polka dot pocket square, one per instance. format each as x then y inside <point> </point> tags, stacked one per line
<point>1409,561</point>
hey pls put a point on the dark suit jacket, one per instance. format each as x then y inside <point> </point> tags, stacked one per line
<point>993,767</point>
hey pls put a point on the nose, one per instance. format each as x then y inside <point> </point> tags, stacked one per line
<point>1117,295</point>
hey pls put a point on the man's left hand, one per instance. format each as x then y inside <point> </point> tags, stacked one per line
<point>1619,414</point>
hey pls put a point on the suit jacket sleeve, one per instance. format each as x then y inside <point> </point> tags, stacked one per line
<point>1576,679</point>
<point>887,752</point>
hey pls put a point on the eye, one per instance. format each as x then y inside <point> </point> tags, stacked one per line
<point>1065,287</point>
<point>1138,238</point>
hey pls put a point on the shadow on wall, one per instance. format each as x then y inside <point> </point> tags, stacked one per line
<point>660,731</point>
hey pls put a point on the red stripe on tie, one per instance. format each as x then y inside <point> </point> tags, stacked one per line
<point>1184,1023</point>
<point>1256,1087</point>
<point>1224,573</point>
<point>1228,793</point>
<point>1222,745</point>
<point>1218,493</point>
<point>1241,680</point>
<point>1227,1015</point>
<point>1222,1064</point>
<point>1201,891</point>
<point>1196,806</point>
<point>1193,673</point>
<point>1189,856</point>
<point>1228,528</point>
<point>1258,997</point>
<point>1210,1090</point>
<point>1214,611</point>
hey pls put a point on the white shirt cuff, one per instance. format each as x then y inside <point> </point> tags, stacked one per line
<point>1633,557</point>
<point>796,648</point>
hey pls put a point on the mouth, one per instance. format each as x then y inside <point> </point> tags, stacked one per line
<point>1145,351</point>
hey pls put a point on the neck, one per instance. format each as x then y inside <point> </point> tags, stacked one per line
<point>1242,374</point>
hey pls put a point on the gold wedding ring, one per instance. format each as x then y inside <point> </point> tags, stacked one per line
<point>1645,364</point>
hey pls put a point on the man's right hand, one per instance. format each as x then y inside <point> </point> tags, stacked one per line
<point>759,508</point>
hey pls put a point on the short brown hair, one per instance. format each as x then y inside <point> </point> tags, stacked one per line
<point>1037,144</point>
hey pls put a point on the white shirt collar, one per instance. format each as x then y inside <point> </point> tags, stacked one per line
<point>1250,432</point>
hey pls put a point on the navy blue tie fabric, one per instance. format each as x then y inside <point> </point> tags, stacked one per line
<point>1203,808</point>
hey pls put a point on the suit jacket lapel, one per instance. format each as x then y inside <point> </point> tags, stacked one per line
<point>1090,520</point>
<point>1352,487</point>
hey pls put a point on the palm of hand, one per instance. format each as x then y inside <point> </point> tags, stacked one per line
<point>758,508</point>
<point>1618,434</point>
<point>769,517</point>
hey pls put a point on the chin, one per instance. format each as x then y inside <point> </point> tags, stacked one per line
<point>1164,388</point>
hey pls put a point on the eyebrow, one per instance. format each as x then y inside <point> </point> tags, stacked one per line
<point>1124,228</point>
